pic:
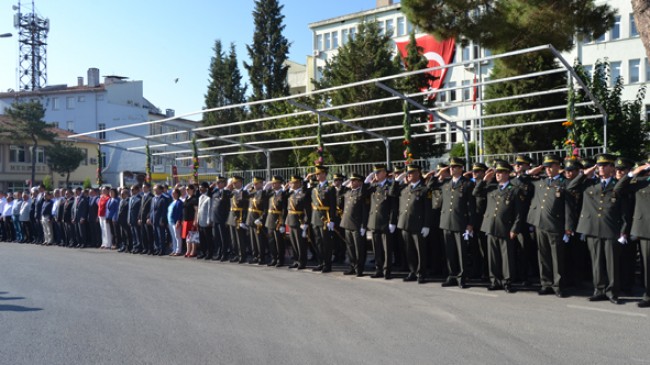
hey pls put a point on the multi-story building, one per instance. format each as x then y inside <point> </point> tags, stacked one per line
<point>95,106</point>
<point>621,46</point>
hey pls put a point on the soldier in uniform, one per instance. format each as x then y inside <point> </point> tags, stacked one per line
<point>275,221</point>
<point>478,242</point>
<point>382,220</point>
<point>298,213</point>
<point>456,219</point>
<point>638,182</point>
<point>323,218</point>
<point>354,222</point>
<point>623,166</point>
<point>339,247</point>
<point>526,252</point>
<point>551,213</point>
<point>603,222</point>
<point>414,220</point>
<point>236,219</point>
<point>576,258</point>
<point>257,207</point>
<point>437,258</point>
<point>220,211</point>
<point>502,222</point>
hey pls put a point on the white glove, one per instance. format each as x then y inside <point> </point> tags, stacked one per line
<point>467,235</point>
<point>369,178</point>
<point>583,237</point>
<point>248,186</point>
<point>363,232</point>
<point>268,185</point>
<point>622,240</point>
<point>258,222</point>
<point>565,238</point>
<point>330,226</point>
<point>281,230</point>
<point>303,227</point>
<point>304,233</point>
<point>425,232</point>
<point>243,226</point>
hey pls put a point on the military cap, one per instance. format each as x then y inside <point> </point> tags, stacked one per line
<point>523,159</point>
<point>398,168</point>
<point>355,176</point>
<point>320,168</point>
<point>412,168</point>
<point>338,176</point>
<point>624,163</point>
<point>572,165</point>
<point>205,185</point>
<point>456,161</point>
<point>478,166</point>
<point>221,178</point>
<point>277,179</point>
<point>502,165</point>
<point>588,162</point>
<point>258,179</point>
<point>605,159</point>
<point>442,165</point>
<point>379,167</point>
<point>551,159</point>
<point>296,178</point>
<point>237,178</point>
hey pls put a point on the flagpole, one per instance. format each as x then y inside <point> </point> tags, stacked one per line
<point>479,96</point>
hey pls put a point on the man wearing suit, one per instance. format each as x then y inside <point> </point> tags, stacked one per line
<point>80,217</point>
<point>414,220</point>
<point>551,213</point>
<point>122,227</point>
<point>354,222</point>
<point>146,234</point>
<point>275,221</point>
<point>257,206</point>
<point>158,220</point>
<point>46,219</point>
<point>204,222</point>
<point>38,209</point>
<point>603,221</point>
<point>382,220</point>
<point>94,230</point>
<point>502,222</point>
<point>638,183</point>
<point>456,220</point>
<point>220,210</point>
<point>59,203</point>
<point>237,218</point>
<point>323,218</point>
<point>133,216</point>
<point>298,214</point>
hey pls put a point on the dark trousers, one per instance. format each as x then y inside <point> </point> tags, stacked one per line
<point>577,262</point>
<point>136,237</point>
<point>628,265</point>
<point>160,237</point>
<point>298,245</point>
<point>94,234</point>
<point>356,250</point>
<point>456,253</point>
<point>645,258</point>
<point>221,240</point>
<point>205,241</point>
<point>124,237</point>
<point>146,236</point>
<point>28,231</point>
<point>415,250</point>
<point>324,240</point>
<point>276,246</point>
<point>10,233</point>
<point>70,234</point>
<point>382,246</point>
<point>478,255</point>
<point>38,230</point>
<point>501,256</point>
<point>551,259</point>
<point>82,233</point>
<point>605,256</point>
<point>259,241</point>
<point>238,239</point>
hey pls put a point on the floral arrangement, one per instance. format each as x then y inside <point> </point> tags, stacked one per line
<point>195,161</point>
<point>100,166</point>
<point>570,144</point>
<point>408,156</point>
<point>147,164</point>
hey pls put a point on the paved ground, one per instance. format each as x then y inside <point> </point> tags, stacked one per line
<point>66,306</point>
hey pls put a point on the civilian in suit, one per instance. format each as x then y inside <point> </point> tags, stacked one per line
<point>323,218</point>
<point>275,221</point>
<point>80,217</point>
<point>382,220</point>
<point>204,220</point>
<point>220,210</point>
<point>46,218</point>
<point>158,220</point>
<point>146,234</point>
<point>133,218</point>
<point>67,219</point>
<point>354,222</point>
<point>122,227</point>
<point>38,214</point>
<point>25,218</point>
<point>60,237</point>
<point>94,229</point>
<point>15,216</point>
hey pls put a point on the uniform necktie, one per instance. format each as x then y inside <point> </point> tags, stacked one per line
<point>604,184</point>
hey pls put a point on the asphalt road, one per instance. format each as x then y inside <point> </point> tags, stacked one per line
<point>66,306</point>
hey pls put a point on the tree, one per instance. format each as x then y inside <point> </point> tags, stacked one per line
<point>64,158</point>
<point>641,9</point>
<point>28,124</point>
<point>47,183</point>
<point>87,184</point>
<point>458,150</point>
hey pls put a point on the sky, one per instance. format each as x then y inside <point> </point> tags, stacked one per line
<point>156,41</point>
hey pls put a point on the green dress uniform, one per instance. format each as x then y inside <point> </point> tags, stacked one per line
<point>237,216</point>
<point>353,220</point>
<point>275,225</point>
<point>458,209</point>
<point>525,252</point>
<point>339,244</point>
<point>382,213</point>
<point>504,214</point>
<point>257,209</point>
<point>323,201</point>
<point>603,221</point>
<point>298,213</point>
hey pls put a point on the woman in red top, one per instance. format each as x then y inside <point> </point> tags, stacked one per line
<point>107,238</point>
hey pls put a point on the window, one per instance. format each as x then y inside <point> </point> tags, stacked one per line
<point>84,162</point>
<point>335,39</point>
<point>104,160</point>
<point>81,99</point>
<point>615,73</point>
<point>17,154</point>
<point>467,90</point>
<point>69,102</point>
<point>487,52</point>
<point>452,92</point>
<point>344,36</point>
<point>615,33</point>
<point>588,71</point>
<point>56,104</point>
<point>454,137</point>
<point>69,125</point>
<point>466,53</point>
<point>327,41</point>
<point>633,31</point>
<point>442,96</point>
<point>40,155</point>
<point>101,127</point>
<point>400,26</point>
<point>390,28</point>
<point>635,70</point>
<point>647,70</point>
<point>319,42</point>
<point>353,32</point>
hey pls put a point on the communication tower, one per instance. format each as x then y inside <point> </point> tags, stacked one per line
<point>32,52</point>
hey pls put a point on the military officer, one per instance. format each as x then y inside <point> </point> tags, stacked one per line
<point>502,222</point>
<point>339,247</point>
<point>220,211</point>
<point>354,222</point>
<point>603,222</point>
<point>638,182</point>
<point>576,256</point>
<point>382,220</point>
<point>275,221</point>
<point>237,218</point>
<point>323,218</point>
<point>257,209</point>
<point>437,260</point>
<point>298,214</point>
<point>414,220</point>
<point>551,213</point>
<point>623,166</point>
<point>526,252</point>
<point>456,219</point>
<point>478,243</point>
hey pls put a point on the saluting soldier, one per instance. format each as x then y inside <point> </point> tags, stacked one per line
<point>340,245</point>
<point>478,243</point>
<point>456,219</point>
<point>551,213</point>
<point>576,258</point>
<point>354,221</point>
<point>502,222</point>
<point>297,218</point>
<point>220,211</point>
<point>623,166</point>
<point>257,207</point>
<point>638,182</point>
<point>414,220</point>
<point>526,252</point>
<point>237,218</point>
<point>382,220</point>
<point>603,222</point>
<point>275,221</point>
<point>323,218</point>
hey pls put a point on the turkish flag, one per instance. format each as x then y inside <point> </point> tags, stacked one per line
<point>439,53</point>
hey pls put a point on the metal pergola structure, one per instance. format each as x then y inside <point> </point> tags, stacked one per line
<point>265,143</point>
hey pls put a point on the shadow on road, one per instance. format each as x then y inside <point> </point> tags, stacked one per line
<point>11,298</point>
<point>17,308</point>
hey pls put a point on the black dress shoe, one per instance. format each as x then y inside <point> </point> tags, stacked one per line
<point>208,257</point>
<point>545,291</point>
<point>241,261</point>
<point>508,289</point>
<point>254,261</point>
<point>349,272</point>
<point>421,280</point>
<point>326,269</point>
<point>359,274</point>
<point>494,287</point>
<point>598,298</point>
<point>378,274</point>
<point>301,267</point>
<point>279,264</point>
<point>388,275</point>
<point>160,253</point>
<point>643,304</point>
<point>410,277</point>
<point>462,285</point>
<point>272,263</point>
<point>614,300</point>
<point>293,266</point>
<point>318,268</point>
<point>447,283</point>
<point>200,257</point>
<point>216,258</point>
<point>121,249</point>
<point>234,259</point>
